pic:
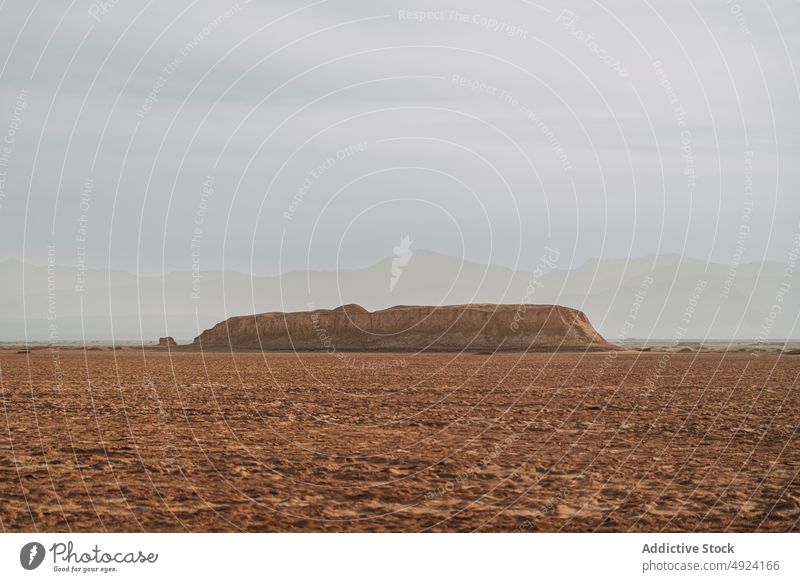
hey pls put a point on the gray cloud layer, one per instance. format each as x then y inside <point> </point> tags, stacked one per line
<point>326,131</point>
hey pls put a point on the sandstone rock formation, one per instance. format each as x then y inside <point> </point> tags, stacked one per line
<point>474,327</point>
<point>167,342</point>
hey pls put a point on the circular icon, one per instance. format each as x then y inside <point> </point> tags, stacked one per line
<point>31,555</point>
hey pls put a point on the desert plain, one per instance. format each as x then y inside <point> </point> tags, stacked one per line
<point>155,440</point>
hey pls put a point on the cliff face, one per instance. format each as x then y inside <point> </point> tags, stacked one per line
<point>410,328</point>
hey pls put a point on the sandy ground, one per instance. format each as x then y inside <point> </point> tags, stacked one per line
<point>146,440</point>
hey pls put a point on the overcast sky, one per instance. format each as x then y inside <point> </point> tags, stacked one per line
<point>293,134</point>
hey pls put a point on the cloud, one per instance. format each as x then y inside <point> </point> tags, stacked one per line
<point>520,107</point>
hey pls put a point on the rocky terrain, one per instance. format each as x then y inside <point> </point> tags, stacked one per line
<point>476,327</point>
<point>138,440</point>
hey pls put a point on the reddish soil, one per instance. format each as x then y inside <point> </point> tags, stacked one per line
<point>133,440</point>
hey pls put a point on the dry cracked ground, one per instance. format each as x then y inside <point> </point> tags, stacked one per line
<point>147,440</point>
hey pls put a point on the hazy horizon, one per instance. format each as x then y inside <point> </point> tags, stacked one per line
<point>650,297</point>
<point>319,141</point>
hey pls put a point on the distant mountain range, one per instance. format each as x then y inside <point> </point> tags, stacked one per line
<point>654,297</point>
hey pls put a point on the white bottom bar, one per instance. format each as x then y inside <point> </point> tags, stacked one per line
<point>403,556</point>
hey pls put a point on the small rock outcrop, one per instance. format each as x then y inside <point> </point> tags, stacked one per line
<point>167,342</point>
<point>471,327</point>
